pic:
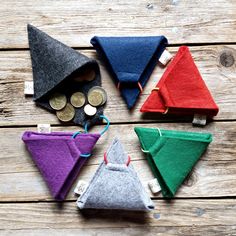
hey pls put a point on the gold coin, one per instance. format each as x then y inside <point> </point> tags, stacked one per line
<point>103,92</point>
<point>95,94</point>
<point>87,75</point>
<point>58,101</point>
<point>95,98</point>
<point>90,110</point>
<point>77,99</point>
<point>67,113</point>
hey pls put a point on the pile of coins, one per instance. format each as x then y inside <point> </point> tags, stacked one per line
<point>65,110</point>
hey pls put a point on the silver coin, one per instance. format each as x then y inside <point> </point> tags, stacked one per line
<point>90,110</point>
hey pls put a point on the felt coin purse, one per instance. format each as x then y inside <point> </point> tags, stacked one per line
<point>60,156</point>
<point>181,90</point>
<point>172,154</point>
<point>55,69</point>
<point>115,185</point>
<point>131,60</point>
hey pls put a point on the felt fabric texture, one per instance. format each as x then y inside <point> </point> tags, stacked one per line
<point>54,67</point>
<point>181,89</point>
<point>115,185</point>
<point>57,156</point>
<point>130,60</point>
<point>172,154</point>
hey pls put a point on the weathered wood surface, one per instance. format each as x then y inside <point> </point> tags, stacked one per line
<point>213,230</point>
<point>16,109</point>
<point>205,203</point>
<point>188,217</point>
<point>75,22</point>
<point>213,176</point>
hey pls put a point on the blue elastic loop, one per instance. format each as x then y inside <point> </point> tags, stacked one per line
<point>75,134</point>
<point>86,155</point>
<point>86,128</point>
<point>106,127</point>
<point>82,155</point>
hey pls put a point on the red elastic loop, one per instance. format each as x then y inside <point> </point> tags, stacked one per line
<point>128,161</point>
<point>105,158</point>
<point>106,161</point>
<point>140,87</point>
<point>118,85</point>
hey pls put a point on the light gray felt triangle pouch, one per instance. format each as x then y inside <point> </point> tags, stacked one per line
<point>115,185</point>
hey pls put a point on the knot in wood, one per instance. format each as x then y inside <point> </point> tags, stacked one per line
<point>227,59</point>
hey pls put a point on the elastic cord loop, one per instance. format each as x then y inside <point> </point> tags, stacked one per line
<point>86,155</point>
<point>81,155</point>
<point>105,158</point>
<point>156,89</point>
<point>159,132</point>
<point>105,128</point>
<point>106,161</point>
<point>139,86</point>
<point>166,111</point>
<point>144,151</point>
<point>76,133</point>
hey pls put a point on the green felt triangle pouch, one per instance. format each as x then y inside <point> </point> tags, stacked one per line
<point>172,154</point>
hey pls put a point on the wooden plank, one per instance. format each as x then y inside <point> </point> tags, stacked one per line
<point>215,230</point>
<point>189,214</point>
<point>75,22</point>
<point>16,109</point>
<point>213,176</point>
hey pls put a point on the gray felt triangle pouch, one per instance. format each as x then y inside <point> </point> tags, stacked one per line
<point>55,65</point>
<point>115,185</point>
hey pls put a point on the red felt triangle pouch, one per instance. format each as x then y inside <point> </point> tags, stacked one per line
<point>181,90</point>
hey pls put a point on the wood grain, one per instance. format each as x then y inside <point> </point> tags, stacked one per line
<point>213,176</point>
<point>75,22</point>
<point>16,109</point>
<point>189,214</point>
<point>205,203</point>
<point>212,230</point>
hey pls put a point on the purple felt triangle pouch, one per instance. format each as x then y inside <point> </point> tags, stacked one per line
<point>59,156</point>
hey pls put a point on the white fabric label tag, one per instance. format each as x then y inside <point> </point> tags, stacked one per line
<point>199,120</point>
<point>80,187</point>
<point>29,88</point>
<point>165,57</point>
<point>154,186</point>
<point>44,128</point>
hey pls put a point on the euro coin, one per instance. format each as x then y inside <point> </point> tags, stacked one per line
<point>97,92</point>
<point>95,98</point>
<point>77,99</point>
<point>66,114</point>
<point>58,101</point>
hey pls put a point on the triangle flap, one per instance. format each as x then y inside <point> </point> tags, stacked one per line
<point>57,155</point>
<point>172,154</point>
<point>130,60</point>
<point>149,137</point>
<point>115,185</point>
<point>52,61</point>
<point>181,87</point>
<point>128,56</point>
<point>55,67</point>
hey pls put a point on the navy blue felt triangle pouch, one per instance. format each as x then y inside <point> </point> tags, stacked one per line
<point>131,60</point>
